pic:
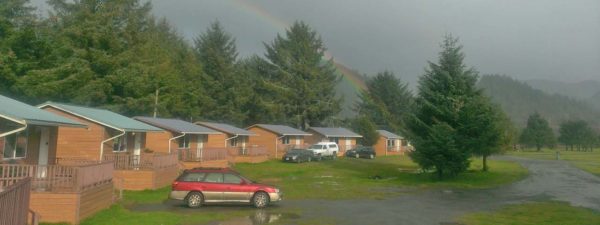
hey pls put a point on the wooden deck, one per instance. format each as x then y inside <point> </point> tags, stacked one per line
<point>147,171</point>
<point>64,193</point>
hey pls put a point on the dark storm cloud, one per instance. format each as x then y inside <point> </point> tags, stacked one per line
<point>548,39</point>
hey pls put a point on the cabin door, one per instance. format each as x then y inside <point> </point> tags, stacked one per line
<point>200,146</point>
<point>43,152</point>
<point>348,144</point>
<point>137,148</point>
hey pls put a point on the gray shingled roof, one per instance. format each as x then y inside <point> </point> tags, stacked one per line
<point>282,130</point>
<point>176,125</point>
<point>19,111</point>
<point>103,117</point>
<point>226,128</point>
<point>335,132</point>
<point>388,134</point>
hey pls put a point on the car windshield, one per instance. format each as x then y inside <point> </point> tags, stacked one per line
<point>317,146</point>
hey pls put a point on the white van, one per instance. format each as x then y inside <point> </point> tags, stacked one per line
<point>325,149</point>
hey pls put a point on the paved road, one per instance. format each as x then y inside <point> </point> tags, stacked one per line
<point>548,180</point>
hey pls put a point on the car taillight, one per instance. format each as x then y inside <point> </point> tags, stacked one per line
<point>174,185</point>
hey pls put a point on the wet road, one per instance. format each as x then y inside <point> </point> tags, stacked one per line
<point>548,180</point>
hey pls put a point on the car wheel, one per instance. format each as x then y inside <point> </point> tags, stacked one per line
<point>194,200</point>
<point>371,156</point>
<point>334,156</point>
<point>260,200</point>
<point>357,156</point>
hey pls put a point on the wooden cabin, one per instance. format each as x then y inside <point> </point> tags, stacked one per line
<point>60,191</point>
<point>389,144</point>
<point>113,137</point>
<point>196,146</point>
<point>277,139</point>
<point>346,139</point>
<point>237,142</point>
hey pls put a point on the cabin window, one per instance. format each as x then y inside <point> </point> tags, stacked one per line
<point>391,142</point>
<point>15,146</point>
<point>285,140</point>
<point>120,144</point>
<point>233,142</point>
<point>335,139</point>
<point>184,142</point>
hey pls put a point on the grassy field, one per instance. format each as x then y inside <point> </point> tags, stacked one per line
<point>588,161</point>
<point>352,178</point>
<point>339,179</point>
<point>547,213</point>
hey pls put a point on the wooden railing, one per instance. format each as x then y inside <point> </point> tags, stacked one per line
<point>394,148</point>
<point>53,178</point>
<point>14,202</point>
<point>248,151</point>
<point>206,154</point>
<point>146,161</point>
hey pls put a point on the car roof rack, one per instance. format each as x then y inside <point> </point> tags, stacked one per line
<point>210,168</point>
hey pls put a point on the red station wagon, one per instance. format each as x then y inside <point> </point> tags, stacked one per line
<point>203,185</point>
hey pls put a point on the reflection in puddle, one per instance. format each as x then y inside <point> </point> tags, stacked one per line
<point>259,217</point>
<point>254,216</point>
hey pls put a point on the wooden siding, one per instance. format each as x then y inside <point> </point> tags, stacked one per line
<point>159,141</point>
<point>381,147</point>
<point>212,164</point>
<point>145,179</point>
<point>268,139</point>
<point>215,141</point>
<point>71,207</point>
<point>264,138</point>
<point>80,142</point>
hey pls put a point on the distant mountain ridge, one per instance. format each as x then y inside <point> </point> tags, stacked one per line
<point>519,100</point>
<point>588,90</point>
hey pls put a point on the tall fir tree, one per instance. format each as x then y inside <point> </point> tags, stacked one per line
<point>537,133</point>
<point>305,80</point>
<point>230,92</point>
<point>387,102</point>
<point>444,91</point>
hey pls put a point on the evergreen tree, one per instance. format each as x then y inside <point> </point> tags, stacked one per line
<point>577,133</point>
<point>363,126</point>
<point>482,128</point>
<point>537,133</point>
<point>230,92</point>
<point>387,101</point>
<point>445,90</point>
<point>305,82</point>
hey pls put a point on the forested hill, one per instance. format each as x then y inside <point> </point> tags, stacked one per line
<point>519,100</point>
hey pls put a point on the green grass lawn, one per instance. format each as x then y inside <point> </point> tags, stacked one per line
<point>588,161</point>
<point>547,213</point>
<point>339,179</point>
<point>351,178</point>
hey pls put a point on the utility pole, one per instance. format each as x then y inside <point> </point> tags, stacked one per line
<point>156,101</point>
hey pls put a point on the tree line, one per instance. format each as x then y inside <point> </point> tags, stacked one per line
<point>117,55</point>
<point>575,135</point>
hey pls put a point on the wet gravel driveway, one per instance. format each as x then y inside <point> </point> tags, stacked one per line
<point>548,180</point>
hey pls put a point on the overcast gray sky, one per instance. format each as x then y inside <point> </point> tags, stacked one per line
<point>533,39</point>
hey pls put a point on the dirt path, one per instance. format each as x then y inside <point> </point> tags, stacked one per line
<point>548,180</point>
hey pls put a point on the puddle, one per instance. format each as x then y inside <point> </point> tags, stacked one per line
<point>254,216</point>
<point>259,217</point>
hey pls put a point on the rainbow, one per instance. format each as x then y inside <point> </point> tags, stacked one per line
<point>356,81</point>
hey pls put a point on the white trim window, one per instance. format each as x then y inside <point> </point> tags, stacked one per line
<point>120,144</point>
<point>233,142</point>
<point>15,146</point>
<point>285,140</point>
<point>184,142</point>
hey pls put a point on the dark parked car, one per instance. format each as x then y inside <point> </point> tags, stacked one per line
<point>299,155</point>
<point>206,185</point>
<point>361,152</point>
